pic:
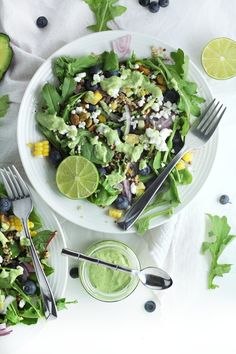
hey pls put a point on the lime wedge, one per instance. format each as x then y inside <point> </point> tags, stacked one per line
<point>77,177</point>
<point>219,58</point>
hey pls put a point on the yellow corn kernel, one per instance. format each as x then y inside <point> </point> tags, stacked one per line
<point>180,165</point>
<point>132,139</point>
<point>41,148</point>
<point>97,97</point>
<point>33,233</point>
<point>113,105</point>
<point>102,118</point>
<point>188,157</point>
<point>15,223</point>
<point>115,213</point>
<point>30,224</point>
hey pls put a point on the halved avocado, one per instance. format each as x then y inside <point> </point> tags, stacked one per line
<point>6,54</point>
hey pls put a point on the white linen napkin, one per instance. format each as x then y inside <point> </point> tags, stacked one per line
<point>31,46</point>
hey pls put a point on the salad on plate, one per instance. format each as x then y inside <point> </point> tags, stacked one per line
<point>112,125</point>
<point>20,299</point>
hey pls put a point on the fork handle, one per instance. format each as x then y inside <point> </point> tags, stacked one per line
<point>134,212</point>
<point>50,309</point>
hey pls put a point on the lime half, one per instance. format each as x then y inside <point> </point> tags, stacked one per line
<point>77,177</point>
<point>219,58</point>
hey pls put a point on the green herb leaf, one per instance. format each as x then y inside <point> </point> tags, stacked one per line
<point>36,219</point>
<point>4,104</point>
<point>142,224</point>
<point>42,239</point>
<point>111,61</point>
<point>82,63</point>
<point>104,11</point>
<point>51,98</point>
<point>181,63</point>
<point>61,303</point>
<point>68,87</point>
<point>185,176</point>
<point>220,238</point>
<point>8,276</point>
<point>157,161</point>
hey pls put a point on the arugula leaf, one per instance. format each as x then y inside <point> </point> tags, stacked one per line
<point>68,87</point>
<point>60,66</point>
<point>42,240</point>
<point>12,314</point>
<point>220,238</point>
<point>8,276</point>
<point>36,219</point>
<point>61,303</point>
<point>142,224</point>
<point>83,63</point>
<point>3,192</point>
<point>51,98</point>
<point>104,197</point>
<point>111,61</point>
<point>157,161</point>
<point>181,62</point>
<point>15,249</point>
<point>4,105</point>
<point>185,176</point>
<point>104,11</point>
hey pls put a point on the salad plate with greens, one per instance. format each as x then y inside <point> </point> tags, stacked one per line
<point>20,299</point>
<point>107,112</point>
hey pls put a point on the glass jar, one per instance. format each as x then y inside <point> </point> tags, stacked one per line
<point>106,284</point>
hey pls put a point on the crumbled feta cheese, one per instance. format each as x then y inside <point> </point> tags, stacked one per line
<point>149,98</point>
<point>168,104</point>
<point>78,149</point>
<point>158,138</point>
<point>174,107</point>
<point>63,131</point>
<point>101,128</point>
<point>73,111</point>
<point>72,132</point>
<point>95,114</point>
<point>157,115</point>
<point>133,188</point>
<point>82,125</point>
<point>1,259</point>
<point>155,107</point>
<point>95,120</point>
<point>114,93</point>
<point>136,66</point>
<point>87,106</point>
<point>153,77</point>
<point>97,78</point>
<point>79,77</point>
<point>141,102</point>
<point>162,164</point>
<point>134,124</point>
<point>21,303</point>
<point>79,109</point>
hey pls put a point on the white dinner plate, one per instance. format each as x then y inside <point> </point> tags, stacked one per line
<point>58,279</point>
<point>42,174</point>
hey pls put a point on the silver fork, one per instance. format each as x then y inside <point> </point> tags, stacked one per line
<point>200,132</point>
<point>19,194</point>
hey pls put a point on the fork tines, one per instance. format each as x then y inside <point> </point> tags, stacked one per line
<point>211,117</point>
<point>15,187</point>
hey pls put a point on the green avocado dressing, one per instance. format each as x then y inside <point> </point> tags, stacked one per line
<point>107,280</point>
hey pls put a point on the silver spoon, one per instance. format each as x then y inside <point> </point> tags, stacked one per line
<point>152,277</point>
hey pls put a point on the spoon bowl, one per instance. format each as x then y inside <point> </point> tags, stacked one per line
<point>155,278</point>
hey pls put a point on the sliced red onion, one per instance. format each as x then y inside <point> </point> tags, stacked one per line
<point>163,123</point>
<point>4,330</point>
<point>28,268</point>
<point>121,46</point>
<point>127,190</point>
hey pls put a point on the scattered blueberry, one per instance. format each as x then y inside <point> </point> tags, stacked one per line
<point>171,95</point>
<point>92,108</point>
<point>5,205</point>
<point>55,156</point>
<point>144,2</point>
<point>102,171</point>
<point>224,199</point>
<point>29,287</point>
<point>154,7</point>
<point>41,22</point>
<point>145,171</point>
<point>177,142</point>
<point>89,87</point>
<point>112,73</point>
<point>163,3</point>
<point>74,272</point>
<point>150,306</point>
<point>94,69</point>
<point>121,202</point>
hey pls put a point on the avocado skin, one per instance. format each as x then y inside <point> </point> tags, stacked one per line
<point>6,63</point>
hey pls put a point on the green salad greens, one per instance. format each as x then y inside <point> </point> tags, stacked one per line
<point>220,237</point>
<point>20,299</point>
<point>129,118</point>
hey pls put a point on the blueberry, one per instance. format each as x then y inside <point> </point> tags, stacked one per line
<point>177,142</point>
<point>41,22</point>
<point>154,6</point>
<point>112,73</point>
<point>163,3</point>
<point>171,95</point>
<point>55,156</point>
<point>145,171</point>
<point>102,171</point>
<point>144,2</point>
<point>74,272</point>
<point>150,306</point>
<point>92,108</point>
<point>5,205</point>
<point>121,202</point>
<point>94,69</point>
<point>224,199</point>
<point>89,87</point>
<point>29,287</point>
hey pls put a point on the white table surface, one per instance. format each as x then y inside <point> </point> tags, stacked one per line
<point>189,318</point>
